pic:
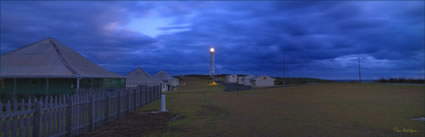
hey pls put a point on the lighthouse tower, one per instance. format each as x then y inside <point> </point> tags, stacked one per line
<point>212,70</point>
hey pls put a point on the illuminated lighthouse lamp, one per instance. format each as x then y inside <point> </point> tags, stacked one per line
<point>212,69</point>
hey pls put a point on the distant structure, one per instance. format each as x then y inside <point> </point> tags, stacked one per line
<point>240,80</point>
<point>48,67</point>
<point>232,78</point>
<point>212,70</point>
<point>138,77</point>
<point>167,82</point>
<point>263,81</point>
<point>260,81</point>
<point>247,80</point>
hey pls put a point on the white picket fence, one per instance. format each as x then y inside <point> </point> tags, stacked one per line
<point>71,115</point>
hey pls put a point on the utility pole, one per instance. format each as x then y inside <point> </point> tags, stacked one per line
<point>360,73</point>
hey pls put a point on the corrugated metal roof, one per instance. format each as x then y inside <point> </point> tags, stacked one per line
<point>49,58</point>
<point>161,75</point>
<point>140,77</point>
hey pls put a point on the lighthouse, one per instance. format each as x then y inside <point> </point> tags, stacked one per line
<point>212,70</point>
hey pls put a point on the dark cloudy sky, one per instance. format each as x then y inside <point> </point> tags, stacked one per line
<point>314,39</point>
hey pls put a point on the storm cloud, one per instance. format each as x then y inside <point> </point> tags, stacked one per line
<point>306,39</point>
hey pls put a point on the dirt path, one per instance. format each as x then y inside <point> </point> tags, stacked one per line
<point>135,124</point>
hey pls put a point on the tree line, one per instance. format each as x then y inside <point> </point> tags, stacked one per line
<point>401,80</point>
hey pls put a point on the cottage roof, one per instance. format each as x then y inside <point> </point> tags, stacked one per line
<point>50,58</point>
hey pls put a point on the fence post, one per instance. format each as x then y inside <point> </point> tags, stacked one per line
<point>92,112</point>
<point>154,92</point>
<point>143,95</point>
<point>36,127</point>
<point>119,103</point>
<point>107,107</point>
<point>1,111</point>
<point>157,91</point>
<point>146,95</point>
<point>128,99</point>
<point>69,112</point>
<point>149,94</point>
<point>135,99</point>
<point>163,109</point>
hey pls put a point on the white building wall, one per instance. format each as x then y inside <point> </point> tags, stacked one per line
<point>247,80</point>
<point>232,78</point>
<point>169,85</point>
<point>164,87</point>
<point>264,81</point>
<point>240,80</point>
<point>176,83</point>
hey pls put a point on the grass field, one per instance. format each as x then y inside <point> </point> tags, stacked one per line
<point>311,110</point>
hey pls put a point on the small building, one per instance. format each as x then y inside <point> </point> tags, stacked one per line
<point>138,77</point>
<point>247,80</point>
<point>48,67</point>
<point>232,78</point>
<point>168,83</point>
<point>263,81</point>
<point>240,80</point>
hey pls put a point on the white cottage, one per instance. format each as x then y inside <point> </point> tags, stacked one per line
<point>168,83</point>
<point>232,78</point>
<point>240,80</point>
<point>263,81</point>
<point>138,77</point>
<point>247,80</point>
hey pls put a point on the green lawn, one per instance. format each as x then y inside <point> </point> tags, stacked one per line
<point>313,110</point>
